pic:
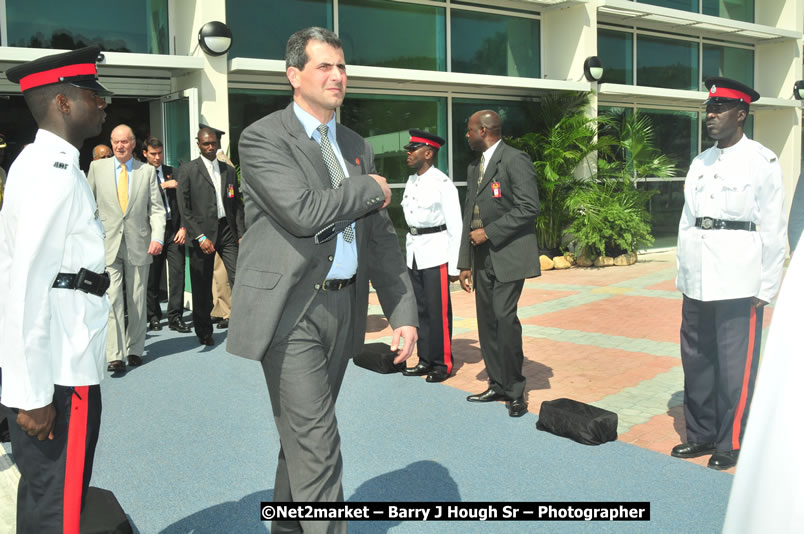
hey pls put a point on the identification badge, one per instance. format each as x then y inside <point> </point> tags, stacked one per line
<point>230,191</point>
<point>496,192</point>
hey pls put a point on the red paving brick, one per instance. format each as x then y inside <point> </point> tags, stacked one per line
<point>652,318</point>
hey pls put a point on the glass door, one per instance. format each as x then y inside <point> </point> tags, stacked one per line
<point>180,125</point>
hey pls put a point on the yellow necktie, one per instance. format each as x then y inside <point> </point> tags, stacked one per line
<point>122,188</point>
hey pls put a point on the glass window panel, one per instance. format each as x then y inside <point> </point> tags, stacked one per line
<point>734,63</point>
<point>730,9</point>
<point>261,29</point>
<point>684,5</point>
<point>675,133</point>
<point>667,63</point>
<point>484,43</point>
<point>517,118</point>
<point>665,209</point>
<point>118,27</point>
<point>247,106</point>
<point>616,50</point>
<point>391,34</point>
<point>384,121</point>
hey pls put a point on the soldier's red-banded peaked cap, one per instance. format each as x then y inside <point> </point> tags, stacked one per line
<point>420,138</point>
<point>77,67</point>
<point>725,89</point>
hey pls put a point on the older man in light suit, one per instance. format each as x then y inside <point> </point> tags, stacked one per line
<point>133,215</point>
<point>316,234</point>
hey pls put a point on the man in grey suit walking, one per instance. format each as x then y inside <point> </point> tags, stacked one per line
<point>316,235</point>
<point>499,248</point>
<point>133,215</point>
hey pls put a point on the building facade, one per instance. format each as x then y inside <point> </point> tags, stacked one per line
<point>427,64</point>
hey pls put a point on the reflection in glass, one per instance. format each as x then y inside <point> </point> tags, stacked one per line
<point>676,134</point>
<point>667,63</point>
<point>734,63</point>
<point>262,29</point>
<point>730,9</point>
<point>484,43</point>
<point>116,27</point>
<point>247,106</point>
<point>616,49</point>
<point>517,116</point>
<point>390,34</point>
<point>684,5</point>
<point>177,142</point>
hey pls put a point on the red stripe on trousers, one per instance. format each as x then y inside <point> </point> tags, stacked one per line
<point>76,455</point>
<point>738,414</point>
<point>445,318</point>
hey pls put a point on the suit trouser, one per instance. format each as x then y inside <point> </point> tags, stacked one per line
<point>720,343</point>
<point>173,254</point>
<point>221,290</point>
<point>498,326</point>
<point>54,474</point>
<point>304,372</point>
<point>201,269</point>
<point>122,340</point>
<point>431,287</point>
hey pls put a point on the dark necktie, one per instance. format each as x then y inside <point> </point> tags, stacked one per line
<point>477,222</point>
<point>336,175</point>
<point>164,194</point>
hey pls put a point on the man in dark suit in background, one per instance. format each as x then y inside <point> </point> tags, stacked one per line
<point>498,251</point>
<point>317,234</point>
<point>212,211</point>
<point>173,249</point>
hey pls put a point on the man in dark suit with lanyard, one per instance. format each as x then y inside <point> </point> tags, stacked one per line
<point>317,234</point>
<point>172,252</point>
<point>212,210</point>
<point>498,251</point>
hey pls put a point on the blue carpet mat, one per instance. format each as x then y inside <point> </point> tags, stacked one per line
<point>188,445</point>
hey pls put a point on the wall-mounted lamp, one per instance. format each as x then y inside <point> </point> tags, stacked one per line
<point>798,90</point>
<point>215,38</point>
<point>593,68</point>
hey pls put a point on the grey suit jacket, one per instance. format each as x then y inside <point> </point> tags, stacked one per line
<point>510,220</point>
<point>288,199</point>
<point>144,219</point>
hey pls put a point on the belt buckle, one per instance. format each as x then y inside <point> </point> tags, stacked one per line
<point>707,223</point>
<point>414,231</point>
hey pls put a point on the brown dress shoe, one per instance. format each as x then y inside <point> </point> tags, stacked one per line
<point>206,340</point>
<point>134,360</point>
<point>116,366</point>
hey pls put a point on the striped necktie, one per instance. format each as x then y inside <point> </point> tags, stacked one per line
<point>477,222</point>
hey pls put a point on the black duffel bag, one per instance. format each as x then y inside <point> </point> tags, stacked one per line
<point>578,421</point>
<point>379,357</point>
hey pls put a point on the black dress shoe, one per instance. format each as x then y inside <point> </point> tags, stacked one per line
<point>420,369</point>
<point>223,323</point>
<point>487,396</point>
<point>437,376</point>
<point>153,324</point>
<point>116,366</point>
<point>134,360</point>
<point>723,460</point>
<point>214,319</point>
<point>517,407</point>
<point>178,325</point>
<point>206,340</point>
<point>692,450</point>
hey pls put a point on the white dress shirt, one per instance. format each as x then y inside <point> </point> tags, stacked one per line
<point>739,183</point>
<point>430,200</point>
<point>49,224</point>
<point>214,170</point>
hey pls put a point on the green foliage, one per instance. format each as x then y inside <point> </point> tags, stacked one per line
<point>563,139</point>
<point>609,213</point>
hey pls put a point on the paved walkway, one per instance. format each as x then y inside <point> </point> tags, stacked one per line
<point>605,336</point>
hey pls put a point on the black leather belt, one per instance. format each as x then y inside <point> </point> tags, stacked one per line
<point>335,284</point>
<point>422,231</point>
<point>708,223</point>
<point>85,280</point>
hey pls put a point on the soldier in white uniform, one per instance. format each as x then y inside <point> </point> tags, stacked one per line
<point>731,249</point>
<point>52,286</point>
<point>433,214</point>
